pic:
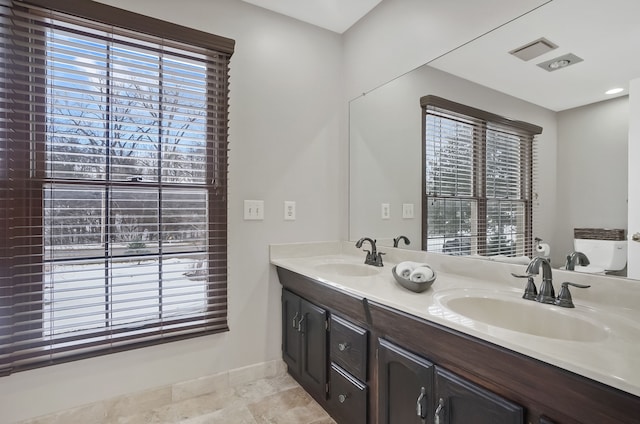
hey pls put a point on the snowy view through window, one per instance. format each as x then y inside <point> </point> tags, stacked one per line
<point>474,183</point>
<point>125,203</point>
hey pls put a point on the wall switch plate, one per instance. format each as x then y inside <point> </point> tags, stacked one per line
<point>289,210</point>
<point>254,210</point>
<point>407,210</point>
<point>386,211</point>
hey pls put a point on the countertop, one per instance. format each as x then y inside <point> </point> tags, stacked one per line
<point>611,305</point>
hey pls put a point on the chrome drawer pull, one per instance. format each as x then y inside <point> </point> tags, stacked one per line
<point>343,346</point>
<point>419,408</point>
<point>342,398</point>
<point>294,324</point>
<point>436,418</point>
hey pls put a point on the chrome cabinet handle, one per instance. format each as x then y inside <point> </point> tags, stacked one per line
<point>420,409</point>
<point>293,323</point>
<point>343,346</point>
<point>635,237</point>
<point>342,398</point>
<point>439,409</point>
<point>300,330</point>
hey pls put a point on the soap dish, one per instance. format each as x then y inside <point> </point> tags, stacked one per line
<point>412,285</point>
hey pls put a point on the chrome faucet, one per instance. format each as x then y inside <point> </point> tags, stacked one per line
<point>373,257</point>
<point>396,241</point>
<point>547,293</point>
<point>574,258</point>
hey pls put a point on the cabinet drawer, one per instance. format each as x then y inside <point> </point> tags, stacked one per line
<point>349,347</point>
<point>347,398</point>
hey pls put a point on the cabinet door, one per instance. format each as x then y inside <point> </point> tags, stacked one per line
<point>405,391</point>
<point>459,401</point>
<point>313,328</point>
<point>291,336</point>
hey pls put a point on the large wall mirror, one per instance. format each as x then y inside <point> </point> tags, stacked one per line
<point>581,155</point>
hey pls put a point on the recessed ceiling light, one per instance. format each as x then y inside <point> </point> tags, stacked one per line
<point>614,91</point>
<point>560,62</point>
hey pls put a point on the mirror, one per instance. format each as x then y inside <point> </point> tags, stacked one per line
<point>582,152</point>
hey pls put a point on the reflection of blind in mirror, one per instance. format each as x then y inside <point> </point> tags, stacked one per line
<point>479,177</point>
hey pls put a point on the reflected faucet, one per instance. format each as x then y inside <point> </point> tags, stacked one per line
<point>574,258</point>
<point>373,257</point>
<point>396,241</point>
<point>547,293</point>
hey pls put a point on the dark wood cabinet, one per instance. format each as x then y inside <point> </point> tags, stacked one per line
<point>348,347</point>
<point>477,381</point>
<point>413,390</point>
<point>405,386</point>
<point>304,343</point>
<point>459,401</point>
<point>347,398</point>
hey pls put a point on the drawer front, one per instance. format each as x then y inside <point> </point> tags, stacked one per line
<point>349,347</point>
<point>347,398</point>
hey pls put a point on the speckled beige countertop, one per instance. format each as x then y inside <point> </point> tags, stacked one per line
<point>610,355</point>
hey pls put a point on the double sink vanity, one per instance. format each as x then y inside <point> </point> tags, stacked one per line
<point>469,349</point>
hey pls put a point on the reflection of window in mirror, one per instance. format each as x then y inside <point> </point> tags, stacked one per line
<point>478,184</point>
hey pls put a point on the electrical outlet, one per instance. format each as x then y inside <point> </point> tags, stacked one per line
<point>289,210</point>
<point>254,210</point>
<point>386,211</point>
<point>407,210</point>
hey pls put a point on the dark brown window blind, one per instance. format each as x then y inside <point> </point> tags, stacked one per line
<point>113,173</point>
<point>478,181</point>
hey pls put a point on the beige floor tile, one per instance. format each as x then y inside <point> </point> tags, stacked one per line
<point>231,415</point>
<point>275,400</point>
<point>293,406</point>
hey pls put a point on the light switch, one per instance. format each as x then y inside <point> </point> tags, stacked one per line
<point>407,210</point>
<point>254,210</point>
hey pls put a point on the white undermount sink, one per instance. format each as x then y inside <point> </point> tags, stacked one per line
<point>347,269</point>
<point>526,316</point>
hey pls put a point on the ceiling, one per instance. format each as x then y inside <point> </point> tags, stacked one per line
<point>605,34</point>
<point>334,15</point>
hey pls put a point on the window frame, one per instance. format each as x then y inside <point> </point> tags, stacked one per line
<point>479,184</point>
<point>19,222</point>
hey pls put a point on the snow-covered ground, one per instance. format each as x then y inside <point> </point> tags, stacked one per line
<point>77,296</point>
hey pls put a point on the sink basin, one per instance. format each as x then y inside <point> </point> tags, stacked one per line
<point>347,269</point>
<point>525,316</point>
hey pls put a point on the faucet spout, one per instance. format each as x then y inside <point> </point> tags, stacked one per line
<point>546,293</point>
<point>576,258</point>
<point>373,257</point>
<point>396,241</point>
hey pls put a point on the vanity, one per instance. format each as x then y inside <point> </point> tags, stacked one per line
<point>468,350</point>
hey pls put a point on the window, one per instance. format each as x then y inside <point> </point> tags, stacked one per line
<point>478,181</point>
<point>113,170</point>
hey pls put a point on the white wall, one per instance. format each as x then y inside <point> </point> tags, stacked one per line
<point>592,170</point>
<point>287,135</point>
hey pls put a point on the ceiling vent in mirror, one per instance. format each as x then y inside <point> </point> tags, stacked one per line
<point>560,62</point>
<point>533,49</point>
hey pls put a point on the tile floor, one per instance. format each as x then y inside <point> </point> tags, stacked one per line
<point>275,400</point>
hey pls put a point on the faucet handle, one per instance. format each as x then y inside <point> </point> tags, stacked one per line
<point>530,291</point>
<point>522,275</point>
<point>564,298</point>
